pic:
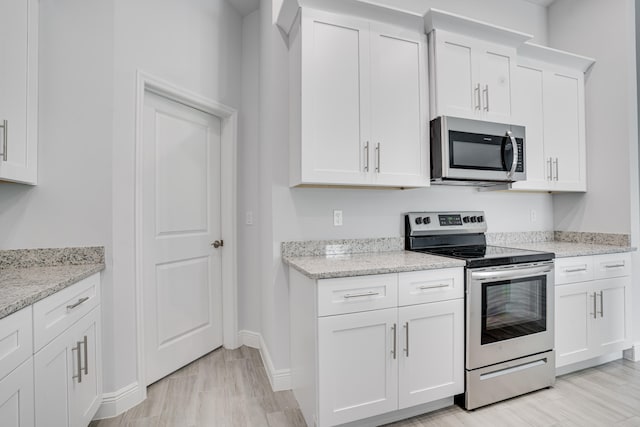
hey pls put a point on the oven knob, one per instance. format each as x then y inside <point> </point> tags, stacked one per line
<point>418,220</point>
<point>465,219</point>
<point>474,219</point>
<point>480,218</point>
<point>426,220</point>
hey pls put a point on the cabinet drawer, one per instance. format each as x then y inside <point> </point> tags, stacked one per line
<point>419,287</point>
<point>611,265</point>
<point>16,340</point>
<point>573,269</point>
<point>354,294</point>
<point>54,314</point>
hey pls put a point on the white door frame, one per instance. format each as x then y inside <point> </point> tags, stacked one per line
<point>228,159</point>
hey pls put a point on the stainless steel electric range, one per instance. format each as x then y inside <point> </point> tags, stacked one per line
<point>509,311</point>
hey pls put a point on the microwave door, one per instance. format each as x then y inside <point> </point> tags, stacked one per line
<point>478,156</point>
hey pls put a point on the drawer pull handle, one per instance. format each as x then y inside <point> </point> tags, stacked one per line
<point>366,294</point>
<point>79,362</point>
<point>74,305</point>
<point>395,341</point>
<point>614,265</point>
<point>575,270</point>
<point>442,285</point>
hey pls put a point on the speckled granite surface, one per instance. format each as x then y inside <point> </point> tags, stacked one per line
<point>25,258</point>
<point>360,264</point>
<point>593,238</point>
<point>340,247</point>
<point>568,249</point>
<point>505,239</point>
<point>29,275</point>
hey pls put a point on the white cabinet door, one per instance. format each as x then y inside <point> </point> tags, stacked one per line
<point>496,65</point>
<point>528,109</point>
<point>68,375</point>
<point>18,90</point>
<point>455,90</point>
<point>85,395</point>
<point>609,327</point>
<point>335,104</point>
<point>564,132</point>
<point>431,352</point>
<point>16,397</point>
<point>398,107</point>
<point>357,366</point>
<point>574,313</point>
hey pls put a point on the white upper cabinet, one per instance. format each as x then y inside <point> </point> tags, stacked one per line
<point>549,101</point>
<point>19,91</point>
<point>472,65</point>
<point>357,103</point>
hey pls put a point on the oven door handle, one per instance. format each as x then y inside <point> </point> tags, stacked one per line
<point>511,273</point>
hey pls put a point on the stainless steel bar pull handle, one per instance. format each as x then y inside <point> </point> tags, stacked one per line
<point>575,270</point>
<point>74,305</point>
<point>78,361</point>
<point>441,285</point>
<point>366,156</point>
<point>594,305</point>
<point>601,303</point>
<point>86,356</point>
<point>477,96</point>
<point>614,265</point>
<point>406,336</point>
<point>5,138</point>
<point>378,157</point>
<point>486,98</point>
<point>556,163</point>
<point>366,294</point>
<point>395,341</point>
<point>550,174</point>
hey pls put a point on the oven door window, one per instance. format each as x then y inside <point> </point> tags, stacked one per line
<point>513,308</point>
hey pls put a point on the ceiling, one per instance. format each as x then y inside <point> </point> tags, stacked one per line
<point>542,2</point>
<point>245,7</point>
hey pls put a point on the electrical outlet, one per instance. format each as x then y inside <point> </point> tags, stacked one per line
<point>533,215</point>
<point>249,218</point>
<point>337,218</point>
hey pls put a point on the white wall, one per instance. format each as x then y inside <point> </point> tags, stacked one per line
<point>195,45</point>
<point>71,205</point>
<point>306,213</point>
<point>604,31</point>
<point>249,293</point>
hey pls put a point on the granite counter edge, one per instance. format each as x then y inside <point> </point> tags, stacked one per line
<point>28,300</point>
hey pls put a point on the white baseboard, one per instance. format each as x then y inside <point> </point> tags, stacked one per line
<point>250,339</point>
<point>633,353</point>
<point>590,363</point>
<point>121,400</point>
<point>280,379</point>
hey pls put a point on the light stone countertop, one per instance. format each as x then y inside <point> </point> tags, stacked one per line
<point>361,264</point>
<point>21,287</point>
<point>29,275</point>
<point>569,249</point>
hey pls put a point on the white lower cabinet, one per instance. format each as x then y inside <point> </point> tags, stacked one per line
<point>592,314</point>
<point>16,397</point>
<point>67,375</point>
<point>401,345</point>
<point>51,360</point>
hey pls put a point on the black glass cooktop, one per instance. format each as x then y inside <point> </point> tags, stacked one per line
<point>488,256</point>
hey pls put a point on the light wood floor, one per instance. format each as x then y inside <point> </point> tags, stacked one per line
<point>230,388</point>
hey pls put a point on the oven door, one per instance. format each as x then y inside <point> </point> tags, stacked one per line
<point>509,312</point>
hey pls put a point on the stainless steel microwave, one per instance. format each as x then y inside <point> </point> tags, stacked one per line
<point>475,152</point>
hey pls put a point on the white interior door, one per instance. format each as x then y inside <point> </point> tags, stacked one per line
<point>181,218</point>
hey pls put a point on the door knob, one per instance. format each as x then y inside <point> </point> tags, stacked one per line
<point>218,243</point>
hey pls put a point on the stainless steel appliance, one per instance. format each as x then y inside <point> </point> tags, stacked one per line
<point>474,152</point>
<point>509,298</point>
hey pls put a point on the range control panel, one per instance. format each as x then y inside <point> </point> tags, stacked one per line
<point>460,222</point>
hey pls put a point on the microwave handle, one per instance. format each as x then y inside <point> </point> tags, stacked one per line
<point>514,164</point>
